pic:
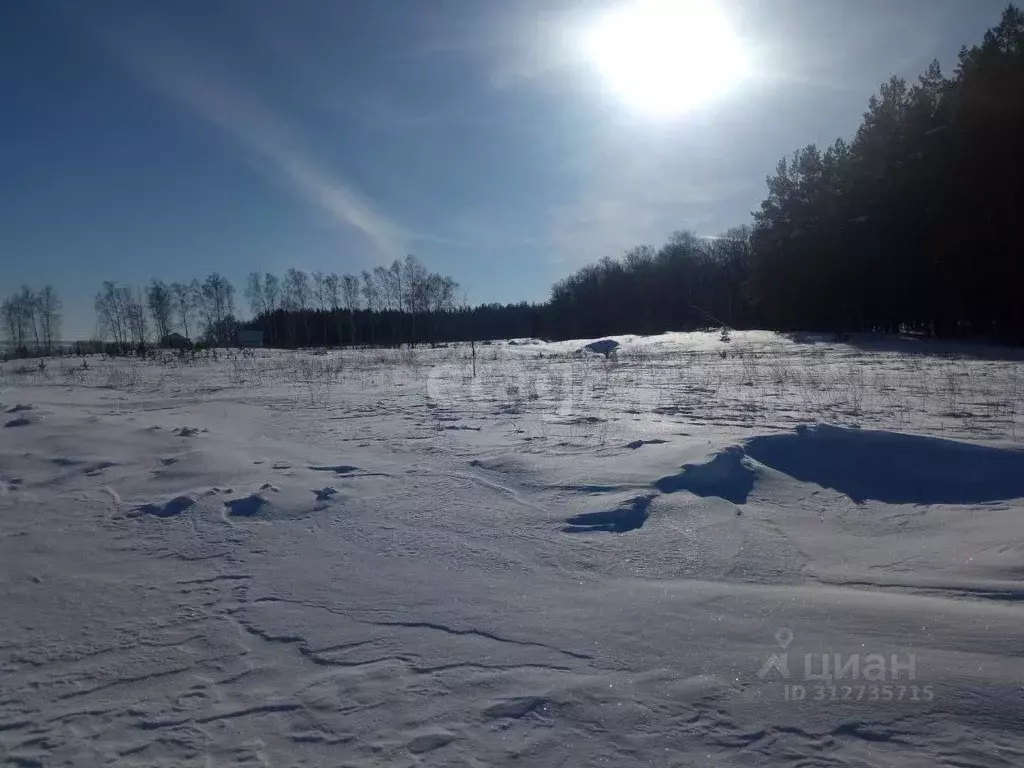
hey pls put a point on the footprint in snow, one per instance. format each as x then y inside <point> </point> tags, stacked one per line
<point>518,707</point>
<point>428,742</point>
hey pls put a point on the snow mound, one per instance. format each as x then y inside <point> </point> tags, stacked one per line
<point>865,465</point>
<point>892,467</point>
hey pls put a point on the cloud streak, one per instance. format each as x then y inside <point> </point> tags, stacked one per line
<point>193,81</point>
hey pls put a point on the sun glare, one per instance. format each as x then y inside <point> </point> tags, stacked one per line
<point>664,57</point>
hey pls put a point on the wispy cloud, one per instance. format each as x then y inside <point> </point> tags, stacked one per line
<point>313,67</point>
<point>200,85</point>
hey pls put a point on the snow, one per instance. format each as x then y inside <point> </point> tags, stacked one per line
<point>373,558</point>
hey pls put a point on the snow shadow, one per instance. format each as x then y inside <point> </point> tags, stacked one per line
<point>891,467</point>
<point>865,465</point>
<point>914,345</point>
<point>626,517</point>
<point>725,476</point>
<point>172,508</point>
<point>247,506</point>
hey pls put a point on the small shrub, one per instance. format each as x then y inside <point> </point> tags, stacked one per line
<point>123,378</point>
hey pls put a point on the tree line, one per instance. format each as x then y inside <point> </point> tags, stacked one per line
<point>401,303</point>
<point>914,224</point>
<point>31,320</point>
<point>126,315</point>
<point>690,282</point>
<point>918,221</point>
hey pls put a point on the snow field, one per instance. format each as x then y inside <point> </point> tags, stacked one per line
<point>767,551</point>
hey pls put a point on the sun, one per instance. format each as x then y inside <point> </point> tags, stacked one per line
<point>666,57</point>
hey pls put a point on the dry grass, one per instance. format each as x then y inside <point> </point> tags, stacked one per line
<point>551,393</point>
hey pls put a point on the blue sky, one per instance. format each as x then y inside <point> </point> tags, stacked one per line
<point>145,139</point>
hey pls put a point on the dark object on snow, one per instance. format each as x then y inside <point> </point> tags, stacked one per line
<point>602,347</point>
